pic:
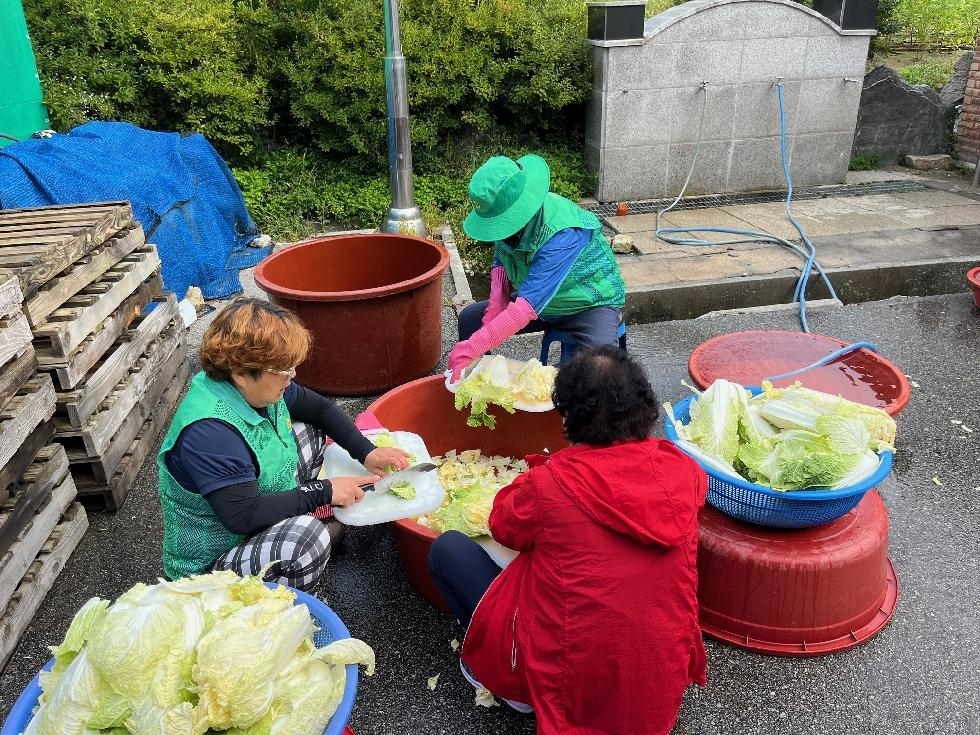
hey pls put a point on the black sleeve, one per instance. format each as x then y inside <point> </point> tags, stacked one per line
<point>243,510</point>
<point>310,407</point>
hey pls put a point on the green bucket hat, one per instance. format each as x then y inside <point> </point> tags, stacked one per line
<point>505,195</point>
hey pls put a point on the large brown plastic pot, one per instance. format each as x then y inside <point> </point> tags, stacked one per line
<point>372,302</point>
<point>426,408</point>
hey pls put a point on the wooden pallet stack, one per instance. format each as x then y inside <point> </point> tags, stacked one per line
<point>40,522</point>
<point>118,369</point>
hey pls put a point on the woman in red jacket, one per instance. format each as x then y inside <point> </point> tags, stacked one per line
<point>595,623</point>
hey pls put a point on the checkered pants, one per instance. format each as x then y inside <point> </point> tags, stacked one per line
<point>299,546</point>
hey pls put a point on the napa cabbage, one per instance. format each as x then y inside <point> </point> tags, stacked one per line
<point>492,380</point>
<point>715,419</point>
<point>471,482</point>
<point>790,438</point>
<point>214,652</point>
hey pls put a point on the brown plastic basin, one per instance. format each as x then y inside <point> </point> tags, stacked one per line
<point>372,302</point>
<point>805,592</point>
<point>426,408</point>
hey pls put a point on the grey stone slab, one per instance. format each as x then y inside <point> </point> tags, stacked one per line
<point>710,170</point>
<point>881,203</point>
<point>648,244</point>
<point>764,59</point>
<point>820,158</point>
<point>716,62</point>
<point>772,222</point>
<point>633,223</point>
<point>633,173</point>
<point>593,158</point>
<point>828,105</point>
<point>932,198</point>
<point>941,216</point>
<point>686,106</point>
<point>640,67</point>
<point>600,63</point>
<point>757,110</point>
<point>694,218</point>
<point>694,21</point>
<point>756,165</point>
<point>638,273</point>
<point>595,119</point>
<point>828,206</point>
<point>636,118</point>
<point>836,56</point>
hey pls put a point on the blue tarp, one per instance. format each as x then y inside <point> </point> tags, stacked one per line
<point>180,189</point>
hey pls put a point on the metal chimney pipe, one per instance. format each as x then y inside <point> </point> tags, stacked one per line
<point>404,216</point>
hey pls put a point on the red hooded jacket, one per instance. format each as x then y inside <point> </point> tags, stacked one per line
<point>595,623</point>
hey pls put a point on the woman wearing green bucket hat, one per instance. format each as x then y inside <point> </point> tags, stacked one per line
<point>553,269</point>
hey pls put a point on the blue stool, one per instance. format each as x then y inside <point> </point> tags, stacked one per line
<point>568,344</point>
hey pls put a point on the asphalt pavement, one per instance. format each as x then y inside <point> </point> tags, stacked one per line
<point>919,675</point>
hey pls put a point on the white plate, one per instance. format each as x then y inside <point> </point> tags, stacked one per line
<point>383,507</point>
<point>513,367</point>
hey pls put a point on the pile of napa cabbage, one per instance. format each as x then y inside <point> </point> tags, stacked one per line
<point>212,653</point>
<point>789,438</point>
<point>471,482</point>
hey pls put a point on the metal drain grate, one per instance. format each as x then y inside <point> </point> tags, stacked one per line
<point>651,206</point>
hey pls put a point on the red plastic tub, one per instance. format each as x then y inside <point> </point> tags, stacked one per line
<point>372,302</point>
<point>973,276</point>
<point>796,592</point>
<point>747,357</point>
<point>426,408</point>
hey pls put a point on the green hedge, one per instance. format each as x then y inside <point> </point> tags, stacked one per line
<point>252,75</point>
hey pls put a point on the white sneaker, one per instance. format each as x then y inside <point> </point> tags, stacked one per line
<point>524,709</point>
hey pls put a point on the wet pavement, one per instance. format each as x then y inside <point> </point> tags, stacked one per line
<point>919,675</point>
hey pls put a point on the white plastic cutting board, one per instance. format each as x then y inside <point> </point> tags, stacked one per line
<point>383,507</point>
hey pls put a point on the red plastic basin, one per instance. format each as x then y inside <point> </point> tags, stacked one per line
<point>973,276</point>
<point>796,592</point>
<point>372,302</point>
<point>747,357</point>
<point>426,408</point>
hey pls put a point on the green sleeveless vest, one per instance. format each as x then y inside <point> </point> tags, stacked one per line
<point>193,537</point>
<point>594,279</point>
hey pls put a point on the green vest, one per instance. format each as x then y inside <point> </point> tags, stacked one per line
<point>594,279</point>
<point>193,537</point>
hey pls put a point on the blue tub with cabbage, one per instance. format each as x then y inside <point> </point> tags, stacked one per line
<point>329,628</point>
<point>764,506</point>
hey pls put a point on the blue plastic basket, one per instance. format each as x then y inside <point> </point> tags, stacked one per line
<point>330,629</point>
<point>764,506</point>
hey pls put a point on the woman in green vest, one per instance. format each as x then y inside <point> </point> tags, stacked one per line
<point>238,465</point>
<point>553,269</point>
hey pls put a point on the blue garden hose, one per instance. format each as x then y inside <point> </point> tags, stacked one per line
<point>807,249</point>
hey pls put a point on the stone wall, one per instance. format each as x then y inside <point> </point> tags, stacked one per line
<point>968,132</point>
<point>645,109</point>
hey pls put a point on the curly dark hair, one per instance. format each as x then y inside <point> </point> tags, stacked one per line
<point>604,397</point>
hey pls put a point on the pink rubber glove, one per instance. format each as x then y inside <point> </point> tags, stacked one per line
<point>509,322</point>
<point>499,294</point>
